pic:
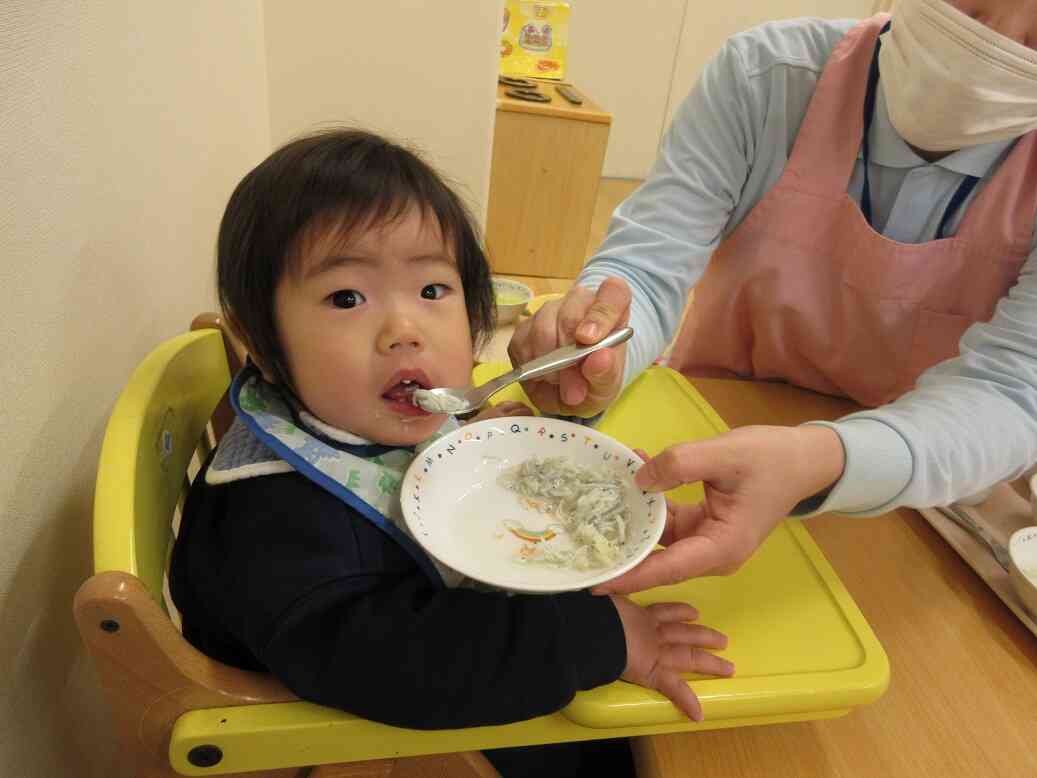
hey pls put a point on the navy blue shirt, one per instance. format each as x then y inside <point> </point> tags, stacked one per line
<point>273,573</point>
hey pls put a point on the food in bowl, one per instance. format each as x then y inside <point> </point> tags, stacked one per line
<point>457,508</point>
<point>589,504</point>
<point>510,298</point>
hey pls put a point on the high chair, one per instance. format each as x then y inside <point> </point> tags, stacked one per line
<point>172,408</point>
<point>803,649</point>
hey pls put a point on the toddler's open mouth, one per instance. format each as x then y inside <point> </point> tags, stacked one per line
<point>399,391</point>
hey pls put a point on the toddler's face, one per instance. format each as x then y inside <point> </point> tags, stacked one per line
<point>358,317</point>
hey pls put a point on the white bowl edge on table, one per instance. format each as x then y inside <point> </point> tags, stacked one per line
<point>503,288</point>
<point>455,507</point>
<point>1022,555</point>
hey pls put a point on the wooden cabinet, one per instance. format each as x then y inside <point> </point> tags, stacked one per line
<point>547,160</point>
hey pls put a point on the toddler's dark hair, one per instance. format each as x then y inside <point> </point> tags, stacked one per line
<point>349,179</point>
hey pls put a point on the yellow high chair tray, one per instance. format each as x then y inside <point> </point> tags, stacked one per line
<point>801,647</point>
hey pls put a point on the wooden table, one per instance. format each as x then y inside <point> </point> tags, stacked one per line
<point>962,700</point>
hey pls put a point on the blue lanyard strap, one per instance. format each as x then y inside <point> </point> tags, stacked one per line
<point>964,188</point>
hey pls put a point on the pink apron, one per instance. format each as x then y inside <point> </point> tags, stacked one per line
<point>805,291</point>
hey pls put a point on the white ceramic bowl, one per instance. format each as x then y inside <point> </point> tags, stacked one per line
<point>456,509</point>
<point>510,298</point>
<point>1022,570</point>
<point>1032,481</point>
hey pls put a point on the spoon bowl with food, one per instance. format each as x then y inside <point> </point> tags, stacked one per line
<point>468,399</point>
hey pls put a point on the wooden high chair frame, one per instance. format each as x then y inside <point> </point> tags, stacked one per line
<point>151,675</point>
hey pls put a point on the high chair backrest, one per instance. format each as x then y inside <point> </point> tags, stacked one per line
<point>173,407</point>
<point>157,424</point>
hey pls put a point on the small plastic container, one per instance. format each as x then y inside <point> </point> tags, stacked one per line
<point>510,297</point>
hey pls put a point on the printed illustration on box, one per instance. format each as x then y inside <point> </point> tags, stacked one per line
<point>535,39</point>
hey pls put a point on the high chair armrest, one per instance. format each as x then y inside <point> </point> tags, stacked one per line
<point>150,673</point>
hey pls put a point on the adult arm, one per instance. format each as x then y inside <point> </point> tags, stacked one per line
<point>970,423</point>
<point>659,242</point>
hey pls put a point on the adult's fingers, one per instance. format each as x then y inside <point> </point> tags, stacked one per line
<point>687,558</point>
<point>682,521</point>
<point>547,336</point>
<point>603,373</point>
<point>599,377</point>
<point>686,463</point>
<point>520,347</point>
<point>573,310</point>
<point>537,335</point>
<point>533,338</point>
<point>610,309</point>
<point>573,387</point>
<point>551,327</point>
<point>513,408</point>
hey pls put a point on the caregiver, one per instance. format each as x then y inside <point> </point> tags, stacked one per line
<point>854,205</point>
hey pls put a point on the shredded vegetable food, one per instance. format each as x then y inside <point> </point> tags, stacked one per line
<point>589,504</point>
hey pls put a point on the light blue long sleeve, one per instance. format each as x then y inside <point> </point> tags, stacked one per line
<point>971,421</point>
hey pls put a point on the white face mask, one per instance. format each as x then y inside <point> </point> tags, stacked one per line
<point>951,81</point>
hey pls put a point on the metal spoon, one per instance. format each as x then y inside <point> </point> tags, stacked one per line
<point>963,520</point>
<point>446,400</point>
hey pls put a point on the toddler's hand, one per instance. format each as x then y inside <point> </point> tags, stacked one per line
<point>502,409</point>
<point>661,645</point>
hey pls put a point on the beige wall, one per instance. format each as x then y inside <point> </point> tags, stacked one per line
<point>624,60</point>
<point>640,64</point>
<point>124,127</point>
<point>406,68</point>
<point>704,31</point>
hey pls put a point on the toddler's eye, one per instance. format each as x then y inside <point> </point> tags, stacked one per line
<point>434,291</point>
<point>347,298</point>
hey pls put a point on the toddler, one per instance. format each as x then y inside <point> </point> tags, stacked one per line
<point>353,274</point>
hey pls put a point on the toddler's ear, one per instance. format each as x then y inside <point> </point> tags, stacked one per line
<point>267,375</point>
<point>243,351</point>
